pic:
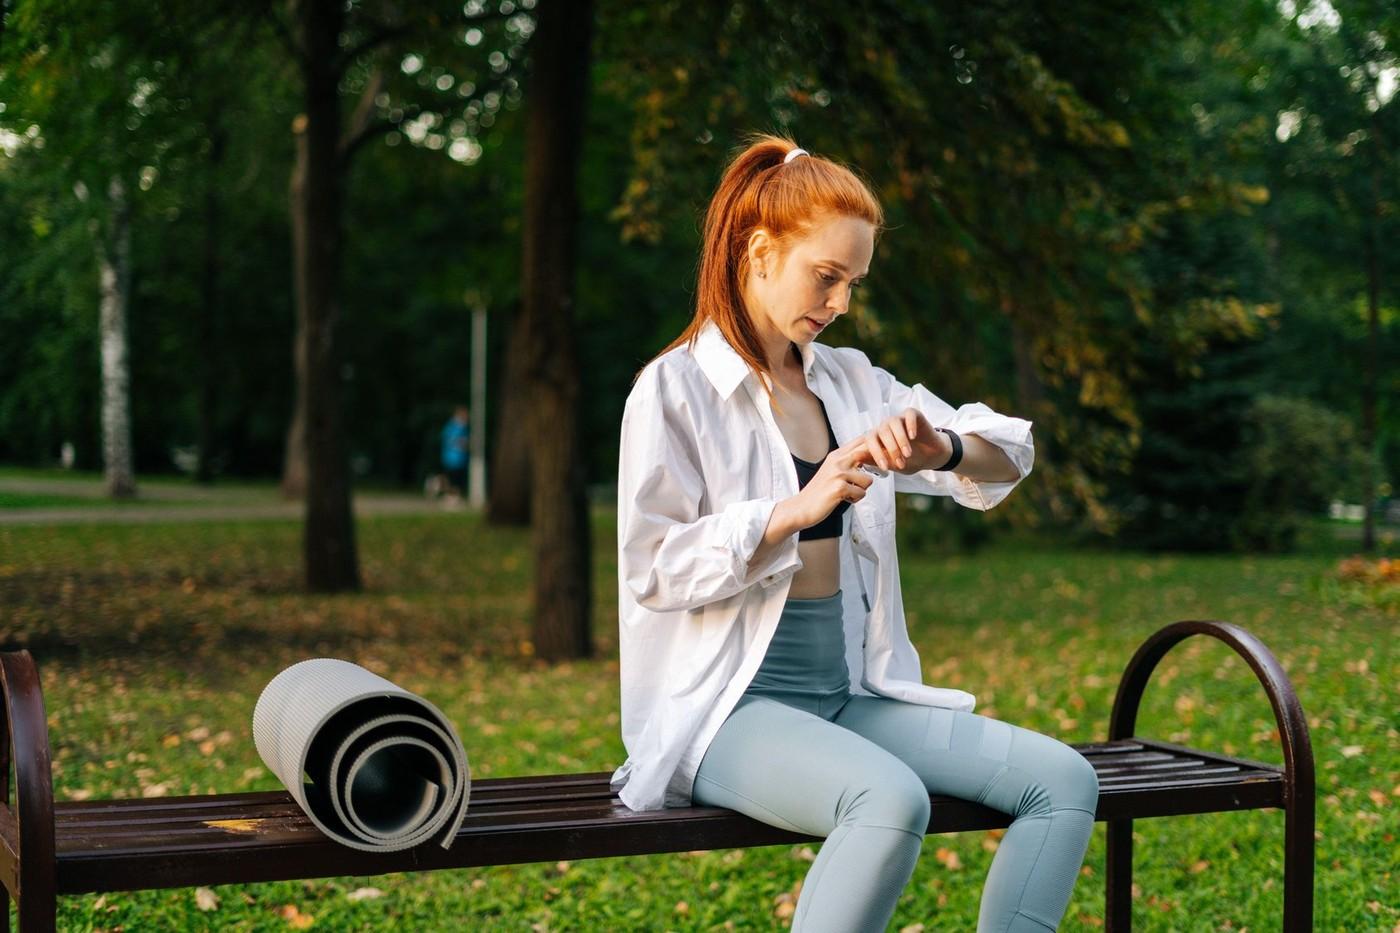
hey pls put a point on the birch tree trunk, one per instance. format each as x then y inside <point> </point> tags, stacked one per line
<point>114,270</point>
<point>208,313</point>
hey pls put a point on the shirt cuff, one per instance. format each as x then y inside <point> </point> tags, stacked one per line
<point>750,520</point>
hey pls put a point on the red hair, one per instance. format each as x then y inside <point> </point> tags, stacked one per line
<point>786,199</point>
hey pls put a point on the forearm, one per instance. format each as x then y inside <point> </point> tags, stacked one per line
<point>782,524</point>
<point>982,461</point>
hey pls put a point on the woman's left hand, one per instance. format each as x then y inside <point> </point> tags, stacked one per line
<point>907,443</point>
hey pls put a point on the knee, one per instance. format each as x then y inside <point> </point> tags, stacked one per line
<point>1068,781</point>
<point>895,799</point>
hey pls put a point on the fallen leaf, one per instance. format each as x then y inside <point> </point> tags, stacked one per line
<point>1199,866</point>
<point>295,918</point>
<point>206,899</point>
<point>948,859</point>
<point>364,894</point>
<point>1351,751</point>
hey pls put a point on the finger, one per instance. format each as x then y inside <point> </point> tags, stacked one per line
<point>860,478</point>
<point>911,422</point>
<point>877,450</point>
<point>854,493</point>
<point>897,429</point>
<point>853,452</point>
<point>892,448</point>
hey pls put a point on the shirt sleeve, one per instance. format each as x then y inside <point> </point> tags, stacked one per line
<point>670,556</point>
<point>1012,435</point>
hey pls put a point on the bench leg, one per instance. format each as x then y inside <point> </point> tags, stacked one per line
<point>1118,906</point>
<point>1299,847</point>
<point>38,913</point>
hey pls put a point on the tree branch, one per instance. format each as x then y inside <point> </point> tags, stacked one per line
<point>363,116</point>
<point>283,32</point>
<point>384,34</point>
<point>371,129</point>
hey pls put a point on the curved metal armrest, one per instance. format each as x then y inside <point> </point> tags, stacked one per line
<point>25,743</point>
<point>1288,712</point>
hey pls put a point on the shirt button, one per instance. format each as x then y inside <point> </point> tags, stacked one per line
<point>770,580</point>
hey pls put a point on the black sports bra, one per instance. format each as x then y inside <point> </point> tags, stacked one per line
<point>829,527</point>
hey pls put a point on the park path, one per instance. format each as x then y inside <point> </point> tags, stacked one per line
<point>160,502</point>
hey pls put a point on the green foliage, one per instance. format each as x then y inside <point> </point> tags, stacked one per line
<point>1085,206</point>
<point>1296,455</point>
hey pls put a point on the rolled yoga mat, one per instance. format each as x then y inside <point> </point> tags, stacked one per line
<point>374,766</point>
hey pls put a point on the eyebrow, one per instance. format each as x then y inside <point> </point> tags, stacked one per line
<point>833,262</point>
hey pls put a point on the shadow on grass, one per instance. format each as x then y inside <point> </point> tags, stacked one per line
<point>166,615</point>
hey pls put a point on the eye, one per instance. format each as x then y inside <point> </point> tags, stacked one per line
<point>857,285</point>
<point>826,278</point>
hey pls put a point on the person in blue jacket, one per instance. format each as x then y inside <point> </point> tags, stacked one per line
<point>456,454</point>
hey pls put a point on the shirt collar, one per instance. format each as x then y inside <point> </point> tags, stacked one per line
<point>725,368</point>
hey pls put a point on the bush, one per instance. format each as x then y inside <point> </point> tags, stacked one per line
<point>1296,455</point>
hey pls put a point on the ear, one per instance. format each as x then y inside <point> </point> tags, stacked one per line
<point>760,251</point>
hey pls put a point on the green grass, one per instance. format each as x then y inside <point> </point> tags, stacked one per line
<point>42,500</point>
<point>154,641</point>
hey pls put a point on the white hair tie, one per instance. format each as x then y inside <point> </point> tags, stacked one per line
<point>794,154</point>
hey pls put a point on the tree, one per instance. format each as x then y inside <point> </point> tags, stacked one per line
<point>546,343</point>
<point>102,145</point>
<point>333,47</point>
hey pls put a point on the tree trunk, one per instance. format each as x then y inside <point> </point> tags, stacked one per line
<point>559,508</point>
<point>508,501</point>
<point>329,533</point>
<point>1370,373</point>
<point>209,308</point>
<point>114,263</point>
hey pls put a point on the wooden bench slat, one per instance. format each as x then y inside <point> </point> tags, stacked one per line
<point>1162,777</point>
<point>167,842</point>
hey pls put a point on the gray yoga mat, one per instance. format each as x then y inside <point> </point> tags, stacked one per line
<point>374,766</point>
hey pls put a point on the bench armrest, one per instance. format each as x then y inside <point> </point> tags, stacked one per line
<point>24,743</point>
<point>1299,804</point>
<point>1288,712</point>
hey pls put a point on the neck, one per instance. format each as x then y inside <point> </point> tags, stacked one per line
<point>778,351</point>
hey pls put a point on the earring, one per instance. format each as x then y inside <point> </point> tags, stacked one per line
<point>763,275</point>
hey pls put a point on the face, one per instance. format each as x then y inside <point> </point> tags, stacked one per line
<point>810,286</point>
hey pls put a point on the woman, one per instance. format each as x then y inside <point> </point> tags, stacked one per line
<point>765,663</point>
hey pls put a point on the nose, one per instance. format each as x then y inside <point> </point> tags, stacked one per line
<point>842,302</point>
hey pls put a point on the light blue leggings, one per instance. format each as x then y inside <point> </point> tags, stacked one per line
<point>799,751</point>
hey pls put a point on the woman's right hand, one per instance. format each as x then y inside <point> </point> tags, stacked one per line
<point>839,479</point>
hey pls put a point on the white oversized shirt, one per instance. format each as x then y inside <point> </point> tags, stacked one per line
<point>701,466</point>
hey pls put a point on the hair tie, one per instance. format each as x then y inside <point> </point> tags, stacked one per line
<point>794,153</point>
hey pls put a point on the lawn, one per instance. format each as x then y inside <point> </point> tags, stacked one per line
<point>154,641</point>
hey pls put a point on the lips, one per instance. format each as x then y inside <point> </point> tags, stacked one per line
<point>818,325</point>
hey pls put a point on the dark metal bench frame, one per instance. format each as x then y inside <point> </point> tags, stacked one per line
<point>548,817</point>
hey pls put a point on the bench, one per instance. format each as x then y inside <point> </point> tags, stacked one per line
<point>48,850</point>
